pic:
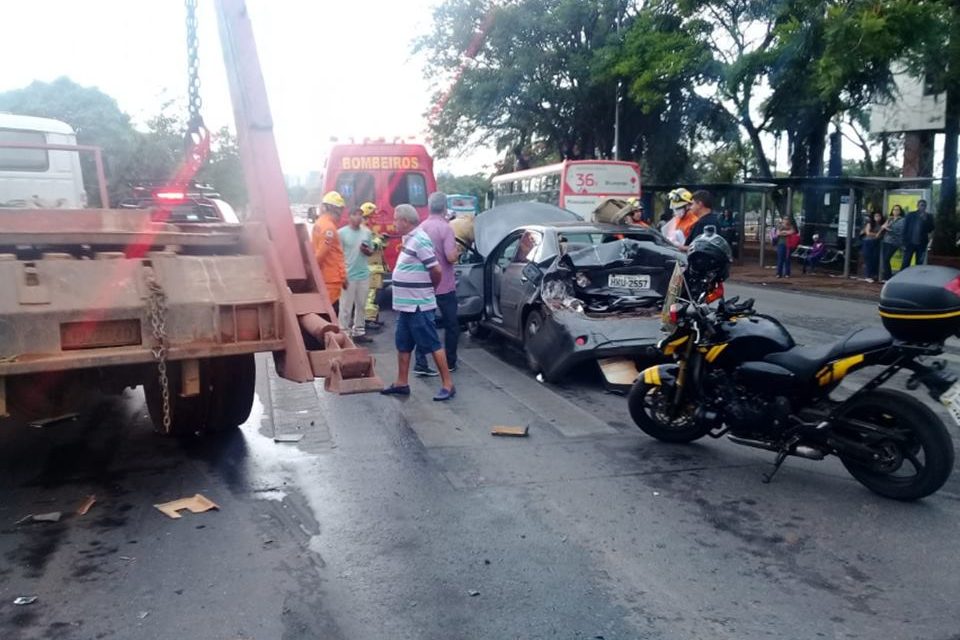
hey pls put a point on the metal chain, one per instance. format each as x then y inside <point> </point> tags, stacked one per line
<point>194,102</point>
<point>197,140</point>
<point>157,310</point>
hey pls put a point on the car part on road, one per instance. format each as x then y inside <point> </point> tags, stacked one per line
<point>25,600</point>
<point>514,432</point>
<point>53,516</point>
<point>198,503</point>
<point>86,505</point>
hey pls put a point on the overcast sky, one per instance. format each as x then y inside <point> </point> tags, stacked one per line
<point>333,67</point>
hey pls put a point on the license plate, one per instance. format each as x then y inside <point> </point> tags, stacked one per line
<point>99,334</point>
<point>951,399</point>
<point>627,281</point>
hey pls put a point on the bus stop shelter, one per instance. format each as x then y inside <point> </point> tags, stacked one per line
<point>833,207</point>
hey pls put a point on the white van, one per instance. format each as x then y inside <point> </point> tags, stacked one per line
<point>39,178</point>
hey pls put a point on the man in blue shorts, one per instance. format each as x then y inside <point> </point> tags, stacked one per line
<point>415,277</point>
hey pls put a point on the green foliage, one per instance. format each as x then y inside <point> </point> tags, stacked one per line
<point>530,78</point>
<point>130,155</point>
<point>94,116</point>
<point>474,185</point>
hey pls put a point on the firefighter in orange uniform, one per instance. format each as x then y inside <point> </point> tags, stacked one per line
<point>327,249</point>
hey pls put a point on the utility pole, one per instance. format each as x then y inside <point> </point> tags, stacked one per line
<point>616,108</point>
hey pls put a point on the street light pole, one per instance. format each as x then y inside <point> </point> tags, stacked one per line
<point>616,108</point>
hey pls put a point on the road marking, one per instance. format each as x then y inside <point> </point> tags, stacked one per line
<point>566,417</point>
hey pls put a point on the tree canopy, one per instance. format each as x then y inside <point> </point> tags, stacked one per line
<point>130,155</point>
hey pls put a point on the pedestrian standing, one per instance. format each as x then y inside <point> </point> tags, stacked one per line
<point>871,245</point>
<point>917,226</point>
<point>357,244</point>
<point>416,275</point>
<point>892,240</point>
<point>438,229</point>
<point>327,249</point>
<point>785,232</point>
<point>702,209</point>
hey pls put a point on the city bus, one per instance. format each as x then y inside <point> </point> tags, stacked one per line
<point>462,205</point>
<point>576,185</point>
<point>385,174</point>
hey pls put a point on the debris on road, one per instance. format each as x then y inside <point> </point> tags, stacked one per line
<point>288,437</point>
<point>86,504</point>
<point>128,558</point>
<point>143,614</point>
<point>46,422</point>
<point>22,600</point>
<point>473,592</point>
<point>53,516</point>
<point>619,371</point>
<point>516,432</point>
<point>196,504</point>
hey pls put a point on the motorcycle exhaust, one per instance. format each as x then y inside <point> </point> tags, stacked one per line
<point>801,451</point>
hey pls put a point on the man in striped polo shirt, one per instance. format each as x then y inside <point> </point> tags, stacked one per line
<point>415,277</point>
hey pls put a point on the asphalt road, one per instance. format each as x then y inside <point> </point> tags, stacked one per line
<point>405,519</point>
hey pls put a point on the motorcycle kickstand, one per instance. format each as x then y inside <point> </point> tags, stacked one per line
<point>781,456</point>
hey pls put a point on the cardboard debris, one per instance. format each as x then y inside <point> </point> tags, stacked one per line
<point>53,516</point>
<point>619,371</point>
<point>46,422</point>
<point>196,504</point>
<point>288,437</point>
<point>516,432</point>
<point>86,504</point>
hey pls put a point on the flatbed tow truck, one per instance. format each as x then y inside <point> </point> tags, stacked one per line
<point>107,299</point>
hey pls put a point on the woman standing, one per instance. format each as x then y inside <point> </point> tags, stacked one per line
<point>785,231</point>
<point>892,239</point>
<point>871,245</point>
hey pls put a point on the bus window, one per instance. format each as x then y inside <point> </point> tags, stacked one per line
<point>23,159</point>
<point>356,188</point>
<point>408,188</point>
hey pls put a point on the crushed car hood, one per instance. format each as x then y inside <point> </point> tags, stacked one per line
<point>620,253</point>
<point>493,225</point>
<point>583,280</point>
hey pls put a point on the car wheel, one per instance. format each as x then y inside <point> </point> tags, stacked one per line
<point>532,325</point>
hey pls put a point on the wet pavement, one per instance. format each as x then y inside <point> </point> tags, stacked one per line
<point>403,518</point>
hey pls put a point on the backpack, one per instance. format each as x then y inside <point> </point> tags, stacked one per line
<point>793,241</point>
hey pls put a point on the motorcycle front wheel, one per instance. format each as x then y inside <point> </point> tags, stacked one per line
<point>651,411</point>
<point>913,451</point>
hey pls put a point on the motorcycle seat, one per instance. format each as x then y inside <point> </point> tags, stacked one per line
<point>805,361</point>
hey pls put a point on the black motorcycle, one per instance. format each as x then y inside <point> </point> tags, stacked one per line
<point>738,373</point>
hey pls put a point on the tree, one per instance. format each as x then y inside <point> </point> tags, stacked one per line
<point>475,185</point>
<point>739,35</point>
<point>531,79</point>
<point>661,62</point>
<point>94,116</point>
<point>130,156</point>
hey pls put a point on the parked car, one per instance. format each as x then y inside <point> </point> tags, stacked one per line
<point>181,204</point>
<point>568,291</point>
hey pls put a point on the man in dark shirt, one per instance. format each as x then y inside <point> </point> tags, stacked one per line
<point>917,226</point>
<point>702,207</point>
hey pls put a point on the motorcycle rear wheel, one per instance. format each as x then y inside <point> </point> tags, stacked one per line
<point>918,441</point>
<point>648,408</point>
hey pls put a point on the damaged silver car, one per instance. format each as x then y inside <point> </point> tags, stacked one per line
<point>568,291</point>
